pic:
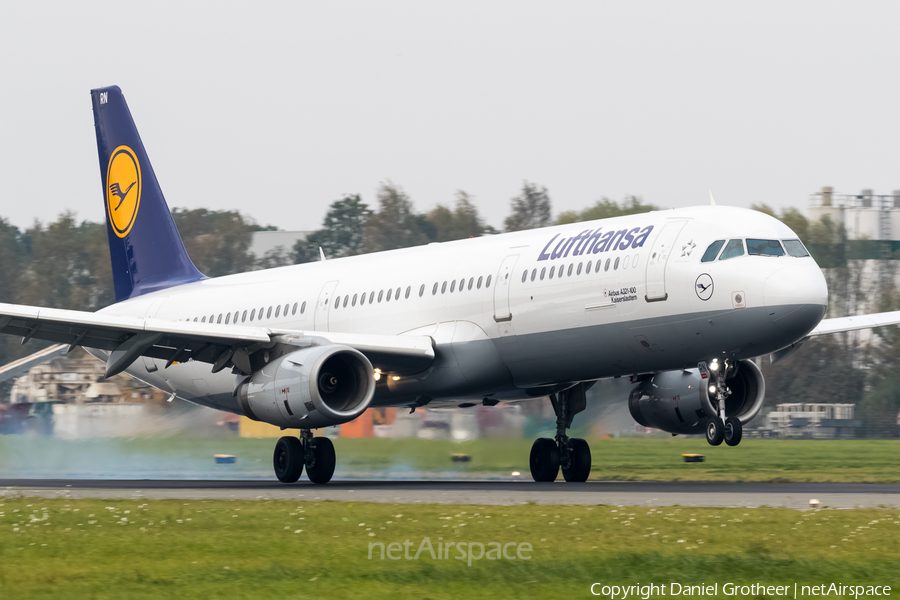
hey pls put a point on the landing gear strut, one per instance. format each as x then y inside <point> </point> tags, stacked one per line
<point>317,454</point>
<point>720,428</point>
<point>573,455</point>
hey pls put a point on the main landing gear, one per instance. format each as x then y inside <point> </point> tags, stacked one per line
<point>720,428</point>
<point>317,454</point>
<point>573,455</point>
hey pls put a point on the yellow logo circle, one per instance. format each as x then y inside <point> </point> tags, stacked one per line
<point>123,189</point>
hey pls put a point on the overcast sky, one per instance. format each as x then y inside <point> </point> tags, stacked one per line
<point>277,109</point>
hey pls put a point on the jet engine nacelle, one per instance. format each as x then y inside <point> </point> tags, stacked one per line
<point>314,387</point>
<point>680,401</point>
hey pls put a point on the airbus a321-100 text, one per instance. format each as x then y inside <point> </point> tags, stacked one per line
<point>678,300</point>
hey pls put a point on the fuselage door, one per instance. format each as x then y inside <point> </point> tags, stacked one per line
<point>656,261</point>
<point>323,306</point>
<point>501,289</point>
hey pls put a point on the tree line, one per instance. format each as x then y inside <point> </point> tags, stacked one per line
<point>65,264</point>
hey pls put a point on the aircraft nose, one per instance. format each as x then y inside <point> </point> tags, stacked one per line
<point>796,297</point>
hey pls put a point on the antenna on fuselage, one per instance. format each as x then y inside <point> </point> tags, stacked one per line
<point>321,254</point>
<point>712,201</point>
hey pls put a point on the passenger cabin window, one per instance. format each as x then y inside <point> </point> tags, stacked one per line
<point>732,248</point>
<point>293,310</point>
<point>713,251</point>
<point>795,248</point>
<point>478,285</point>
<point>337,301</point>
<point>277,311</point>
<point>346,300</point>
<point>764,248</point>
<point>524,276</point>
<point>303,307</point>
<point>452,286</point>
<point>471,282</point>
<point>243,317</point>
<point>252,314</point>
<point>487,283</point>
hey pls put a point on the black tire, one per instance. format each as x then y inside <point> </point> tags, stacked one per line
<point>734,431</point>
<point>544,460</point>
<point>715,431</point>
<point>321,468</point>
<point>288,459</point>
<point>579,461</point>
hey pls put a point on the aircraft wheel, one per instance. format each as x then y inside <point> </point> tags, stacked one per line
<point>579,461</point>
<point>734,431</point>
<point>288,459</point>
<point>715,431</point>
<point>544,460</point>
<point>321,466</point>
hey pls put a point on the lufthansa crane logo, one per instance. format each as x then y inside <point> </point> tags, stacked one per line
<point>123,189</point>
<point>704,287</point>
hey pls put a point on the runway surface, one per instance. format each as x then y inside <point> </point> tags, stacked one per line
<point>648,493</point>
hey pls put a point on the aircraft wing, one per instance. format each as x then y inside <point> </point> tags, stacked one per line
<point>128,338</point>
<point>839,325</point>
<point>842,324</point>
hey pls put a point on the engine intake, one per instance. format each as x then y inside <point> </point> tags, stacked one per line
<point>679,401</point>
<point>313,387</point>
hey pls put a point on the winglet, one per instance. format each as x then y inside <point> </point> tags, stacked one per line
<point>712,201</point>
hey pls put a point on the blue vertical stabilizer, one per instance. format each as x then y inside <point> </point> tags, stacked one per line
<point>144,245</point>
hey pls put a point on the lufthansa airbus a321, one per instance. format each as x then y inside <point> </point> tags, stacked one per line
<point>678,300</point>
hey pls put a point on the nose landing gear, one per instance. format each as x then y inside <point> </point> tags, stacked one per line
<point>292,454</point>
<point>720,428</point>
<point>573,455</point>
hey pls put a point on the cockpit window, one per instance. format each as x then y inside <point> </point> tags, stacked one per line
<point>732,248</point>
<point>795,248</point>
<point>712,251</point>
<point>764,248</point>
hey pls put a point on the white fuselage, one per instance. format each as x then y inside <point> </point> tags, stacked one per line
<point>641,312</point>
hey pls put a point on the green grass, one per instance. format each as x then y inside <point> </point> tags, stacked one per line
<point>624,459</point>
<point>122,549</point>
